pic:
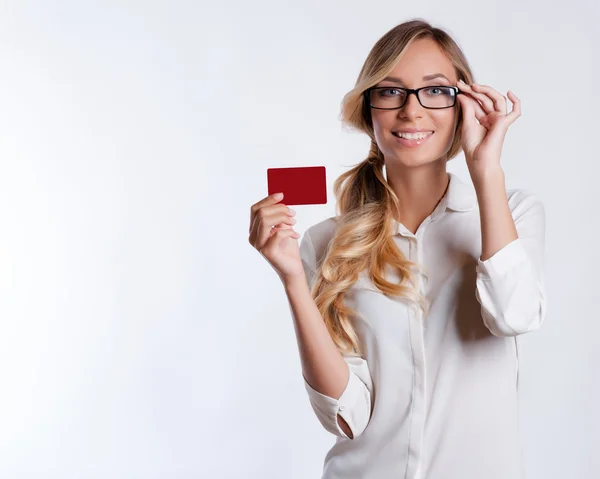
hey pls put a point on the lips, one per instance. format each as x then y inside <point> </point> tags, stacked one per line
<point>412,130</point>
<point>412,143</point>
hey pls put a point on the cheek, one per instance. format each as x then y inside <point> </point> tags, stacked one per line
<point>445,126</point>
<point>381,125</point>
<point>445,120</point>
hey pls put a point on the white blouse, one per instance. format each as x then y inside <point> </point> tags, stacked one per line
<point>435,397</point>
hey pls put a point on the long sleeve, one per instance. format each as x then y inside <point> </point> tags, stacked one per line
<point>354,405</point>
<point>510,284</point>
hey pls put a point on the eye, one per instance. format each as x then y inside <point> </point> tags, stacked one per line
<point>437,90</point>
<point>388,91</point>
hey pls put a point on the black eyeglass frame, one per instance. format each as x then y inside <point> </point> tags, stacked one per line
<point>367,95</point>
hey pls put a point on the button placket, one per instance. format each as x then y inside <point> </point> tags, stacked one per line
<point>416,332</point>
<point>419,351</point>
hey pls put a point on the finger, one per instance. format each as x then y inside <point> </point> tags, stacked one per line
<point>264,229</point>
<point>473,103</point>
<point>265,218</point>
<point>280,226</point>
<point>264,226</point>
<point>274,239</point>
<point>268,201</point>
<point>486,102</point>
<point>472,108</point>
<point>516,109</point>
<point>267,210</point>
<point>500,101</point>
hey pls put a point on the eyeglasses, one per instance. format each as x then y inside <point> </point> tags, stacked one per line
<point>391,98</point>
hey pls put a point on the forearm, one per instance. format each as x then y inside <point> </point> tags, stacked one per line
<point>510,271</point>
<point>497,224</point>
<point>323,366</point>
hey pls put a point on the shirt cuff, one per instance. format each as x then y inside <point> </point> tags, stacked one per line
<point>503,261</point>
<point>353,405</point>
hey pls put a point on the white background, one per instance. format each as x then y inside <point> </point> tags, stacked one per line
<point>141,336</point>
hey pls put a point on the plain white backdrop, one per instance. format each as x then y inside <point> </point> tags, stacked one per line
<point>141,336</point>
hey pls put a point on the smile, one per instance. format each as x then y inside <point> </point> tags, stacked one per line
<point>412,139</point>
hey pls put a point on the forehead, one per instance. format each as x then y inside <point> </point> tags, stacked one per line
<point>422,57</point>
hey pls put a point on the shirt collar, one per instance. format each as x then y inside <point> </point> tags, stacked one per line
<point>460,195</point>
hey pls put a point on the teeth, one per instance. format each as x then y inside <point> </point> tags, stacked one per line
<point>413,136</point>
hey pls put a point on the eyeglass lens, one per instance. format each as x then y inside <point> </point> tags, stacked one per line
<point>431,97</point>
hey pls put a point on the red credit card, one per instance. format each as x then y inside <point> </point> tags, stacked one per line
<point>305,185</point>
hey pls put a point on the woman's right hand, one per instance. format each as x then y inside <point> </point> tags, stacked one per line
<point>272,234</point>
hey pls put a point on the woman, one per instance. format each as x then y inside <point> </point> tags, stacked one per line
<point>409,303</point>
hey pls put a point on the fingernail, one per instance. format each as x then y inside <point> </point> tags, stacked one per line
<point>292,211</point>
<point>278,196</point>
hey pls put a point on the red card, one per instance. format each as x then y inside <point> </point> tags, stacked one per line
<point>305,185</point>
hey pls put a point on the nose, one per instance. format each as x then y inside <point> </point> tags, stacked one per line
<point>411,108</point>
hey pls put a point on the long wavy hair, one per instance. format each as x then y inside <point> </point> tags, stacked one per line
<point>363,238</point>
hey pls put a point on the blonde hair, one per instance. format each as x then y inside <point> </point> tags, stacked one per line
<point>365,202</point>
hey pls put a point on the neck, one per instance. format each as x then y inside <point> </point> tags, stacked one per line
<point>419,191</point>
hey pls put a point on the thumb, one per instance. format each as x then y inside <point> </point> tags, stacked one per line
<point>468,112</point>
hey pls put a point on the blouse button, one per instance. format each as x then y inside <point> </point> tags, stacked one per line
<point>342,408</point>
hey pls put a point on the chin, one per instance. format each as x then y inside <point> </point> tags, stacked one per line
<point>413,158</point>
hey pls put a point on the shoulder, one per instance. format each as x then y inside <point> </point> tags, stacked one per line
<point>315,240</point>
<point>524,202</point>
<point>321,233</point>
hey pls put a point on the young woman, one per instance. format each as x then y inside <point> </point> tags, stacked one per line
<point>408,304</point>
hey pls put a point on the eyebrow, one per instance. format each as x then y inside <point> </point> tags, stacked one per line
<point>425,78</point>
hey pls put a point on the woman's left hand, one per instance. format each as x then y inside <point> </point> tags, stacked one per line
<point>482,142</point>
